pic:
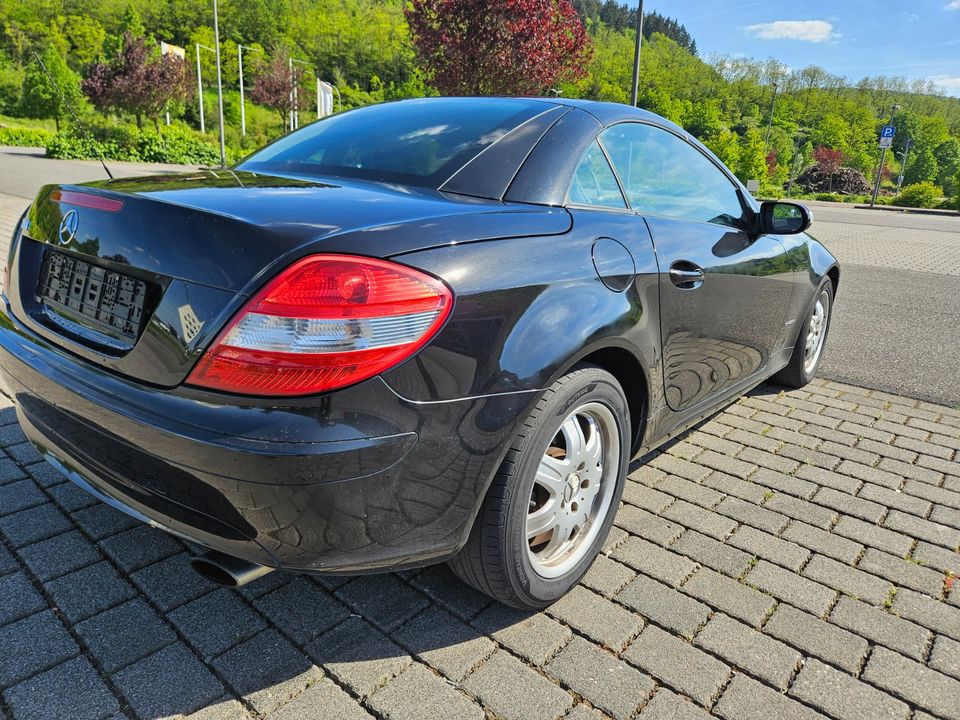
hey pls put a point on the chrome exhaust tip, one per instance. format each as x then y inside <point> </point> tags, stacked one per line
<point>227,570</point>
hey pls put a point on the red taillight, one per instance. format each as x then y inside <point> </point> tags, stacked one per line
<point>325,322</point>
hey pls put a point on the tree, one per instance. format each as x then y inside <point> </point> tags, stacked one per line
<point>273,84</point>
<point>948,160</point>
<point>498,47</point>
<point>704,119</point>
<point>86,36</point>
<point>753,160</point>
<point>829,160</point>
<point>40,97</point>
<point>654,22</point>
<point>726,146</point>
<point>922,167</point>
<point>138,81</point>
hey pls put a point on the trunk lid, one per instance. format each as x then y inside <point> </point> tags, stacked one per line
<point>143,286</point>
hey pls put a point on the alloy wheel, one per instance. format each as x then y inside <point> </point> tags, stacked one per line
<point>816,332</point>
<point>572,489</point>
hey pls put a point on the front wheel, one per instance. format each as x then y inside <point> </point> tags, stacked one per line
<point>811,341</point>
<point>550,507</point>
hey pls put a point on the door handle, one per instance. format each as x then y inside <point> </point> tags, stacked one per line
<point>685,275</point>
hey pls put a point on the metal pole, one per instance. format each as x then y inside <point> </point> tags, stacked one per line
<point>636,54</point>
<point>773,104</point>
<point>903,167</point>
<point>200,90</point>
<point>216,32</point>
<point>883,157</point>
<point>290,63</point>
<point>318,97</point>
<point>243,113</point>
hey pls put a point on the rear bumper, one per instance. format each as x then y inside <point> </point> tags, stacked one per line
<point>358,480</point>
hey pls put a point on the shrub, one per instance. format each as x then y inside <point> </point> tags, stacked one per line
<point>920,195</point>
<point>24,137</point>
<point>828,197</point>
<point>66,146</point>
<point>175,144</point>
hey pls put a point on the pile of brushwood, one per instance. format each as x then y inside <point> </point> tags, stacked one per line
<point>845,181</point>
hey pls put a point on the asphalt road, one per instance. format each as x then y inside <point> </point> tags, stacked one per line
<point>896,322</point>
<point>24,170</point>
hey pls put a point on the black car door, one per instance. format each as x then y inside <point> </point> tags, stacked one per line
<point>723,294</point>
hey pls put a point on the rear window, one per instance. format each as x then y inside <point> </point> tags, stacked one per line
<point>415,142</point>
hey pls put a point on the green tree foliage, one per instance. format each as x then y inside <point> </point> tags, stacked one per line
<point>48,96</point>
<point>921,167</point>
<point>726,146</point>
<point>752,164</point>
<point>86,36</point>
<point>619,17</point>
<point>948,161</point>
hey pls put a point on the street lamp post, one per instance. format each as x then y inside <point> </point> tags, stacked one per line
<point>883,157</point>
<point>903,166</point>
<point>216,33</point>
<point>636,54</point>
<point>200,86</point>
<point>243,112</point>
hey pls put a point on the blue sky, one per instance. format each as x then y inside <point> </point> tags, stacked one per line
<point>854,38</point>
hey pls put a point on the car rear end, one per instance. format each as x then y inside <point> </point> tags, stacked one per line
<point>254,423</point>
<point>211,351</point>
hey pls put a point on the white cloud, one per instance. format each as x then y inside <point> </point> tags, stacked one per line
<point>815,31</point>
<point>950,84</point>
<point>952,5</point>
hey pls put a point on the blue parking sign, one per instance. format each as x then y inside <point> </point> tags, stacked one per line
<point>888,131</point>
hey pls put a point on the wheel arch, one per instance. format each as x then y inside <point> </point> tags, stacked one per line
<point>834,274</point>
<point>629,370</point>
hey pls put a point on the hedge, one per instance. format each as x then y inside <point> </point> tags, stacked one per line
<point>24,137</point>
<point>173,144</point>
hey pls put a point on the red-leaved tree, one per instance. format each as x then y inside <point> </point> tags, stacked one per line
<point>829,161</point>
<point>274,83</point>
<point>498,47</point>
<point>138,81</point>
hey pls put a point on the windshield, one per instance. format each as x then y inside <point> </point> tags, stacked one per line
<point>415,142</point>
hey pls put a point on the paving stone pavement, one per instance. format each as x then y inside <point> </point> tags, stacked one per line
<point>795,556</point>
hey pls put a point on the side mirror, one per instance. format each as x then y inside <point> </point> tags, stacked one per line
<point>784,218</point>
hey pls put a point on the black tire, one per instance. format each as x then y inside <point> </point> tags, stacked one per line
<point>795,374</point>
<point>495,559</point>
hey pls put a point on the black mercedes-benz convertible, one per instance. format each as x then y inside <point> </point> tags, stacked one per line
<point>423,331</point>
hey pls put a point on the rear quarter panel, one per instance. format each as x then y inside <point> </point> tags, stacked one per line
<point>527,309</point>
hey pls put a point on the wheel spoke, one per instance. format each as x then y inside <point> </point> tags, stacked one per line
<point>551,474</point>
<point>542,519</point>
<point>593,449</point>
<point>561,534</point>
<point>573,435</point>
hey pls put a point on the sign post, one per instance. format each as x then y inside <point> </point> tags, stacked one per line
<point>886,140</point>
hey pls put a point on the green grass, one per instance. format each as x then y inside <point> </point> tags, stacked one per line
<point>16,122</point>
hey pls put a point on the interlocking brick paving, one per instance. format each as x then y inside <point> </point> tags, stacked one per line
<point>793,557</point>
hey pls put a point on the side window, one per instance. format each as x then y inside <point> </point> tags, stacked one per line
<point>664,175</point>
<point>594,182</point>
